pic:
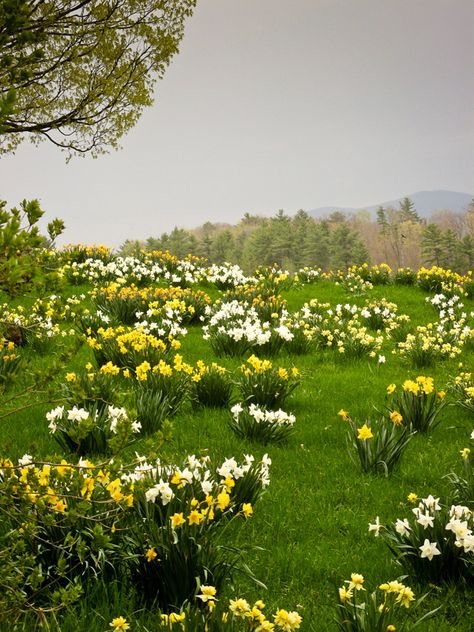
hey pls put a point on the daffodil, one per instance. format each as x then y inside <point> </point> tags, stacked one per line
<point>364,433</point>
<point>119,624</point>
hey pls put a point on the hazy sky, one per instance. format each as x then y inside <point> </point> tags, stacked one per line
<point>277,104</point>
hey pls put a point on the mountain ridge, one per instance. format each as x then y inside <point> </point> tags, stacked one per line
<point>426,203</point>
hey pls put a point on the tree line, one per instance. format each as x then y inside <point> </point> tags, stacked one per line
<point>397,236</point>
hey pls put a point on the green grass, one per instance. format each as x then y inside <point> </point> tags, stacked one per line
<point>310,530</point>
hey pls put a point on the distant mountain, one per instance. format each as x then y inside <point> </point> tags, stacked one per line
<point>426,203</point>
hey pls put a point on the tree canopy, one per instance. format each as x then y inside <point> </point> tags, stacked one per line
<point>80,72</point>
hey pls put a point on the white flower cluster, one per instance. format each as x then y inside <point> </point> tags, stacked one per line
<point>76,415</point>
<point>454,324</point>
<point>460,522</point>
<point>272,417</point>
<point>31,324</point>
<point>240,321</point>
<point>124,269</point>
<point>161,322</point>
<point>194,472</point>
<point>226,275</point>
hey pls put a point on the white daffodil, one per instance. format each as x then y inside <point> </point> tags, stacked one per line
<point>429,549</point>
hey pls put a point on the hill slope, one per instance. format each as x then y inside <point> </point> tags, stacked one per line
<point>426,202</point>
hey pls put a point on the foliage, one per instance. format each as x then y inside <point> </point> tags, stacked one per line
<point>20,244</point>
<point>56,532</point>
<point>44,47</point>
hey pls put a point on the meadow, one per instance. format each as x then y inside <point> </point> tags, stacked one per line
<point>100,552</point>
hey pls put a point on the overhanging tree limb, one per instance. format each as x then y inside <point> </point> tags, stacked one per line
<point>80,73</point>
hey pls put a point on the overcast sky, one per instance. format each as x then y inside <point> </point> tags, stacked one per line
<point>277,104</point>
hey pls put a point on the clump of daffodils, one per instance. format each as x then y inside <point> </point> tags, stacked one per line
<point>259,424</point>
<point>435,543</point>
<point>235,327</point>
<point>418,402</point>
<point>211,385</point>
<point>383,609</point>
<point>96,430</point>
<point>209,612</point>
<point>264,384</point>
<point>429,344</point>
<point>378,443</point>
<point>462,387</point>
<point>10,362</point>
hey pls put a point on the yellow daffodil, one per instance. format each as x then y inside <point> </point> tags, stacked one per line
<point>119,624</point>
<point>177,520</point>
<point>151,555</point>
<point>396,418</point>
<point>364,433</point>
<point>247,510</point>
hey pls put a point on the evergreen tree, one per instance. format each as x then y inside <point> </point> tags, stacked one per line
<point>432,248</point>
<point>256,249</point>
<point>408,212</point>
<point>301,225</point>
<point>346,248</point>
<point>280,245</point>
<point>316,246</point>
<point>222,249</point>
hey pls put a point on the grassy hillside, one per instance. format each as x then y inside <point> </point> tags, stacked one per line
<point>309,531</point>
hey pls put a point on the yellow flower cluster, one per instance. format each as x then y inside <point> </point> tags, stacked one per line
<point>428,340</point>
<point>282,619</point>
<point>9,347</point>
<point>436,274</point>
<point>163,368</point>
<point>422,385</point>
<point>263,366</point>
<point>127,341</point>
<point>203,369</point>
<point>404,594</point>
<point>97,252</point>
<point>52,485</point>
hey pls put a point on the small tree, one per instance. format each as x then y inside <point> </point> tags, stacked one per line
<point>21,243</point>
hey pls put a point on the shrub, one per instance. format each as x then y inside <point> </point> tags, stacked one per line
<point>21,244</point>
